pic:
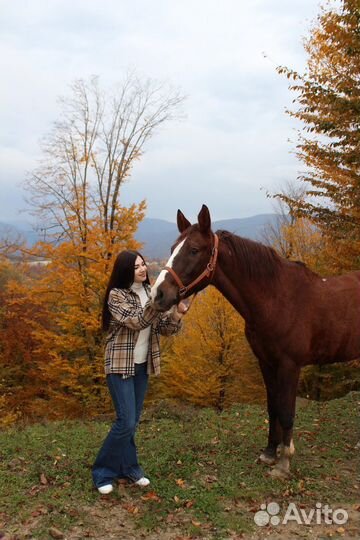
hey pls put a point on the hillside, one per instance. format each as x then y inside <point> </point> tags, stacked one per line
<point>205,480</point>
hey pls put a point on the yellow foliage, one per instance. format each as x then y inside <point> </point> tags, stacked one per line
<point>210,363</point>
<point>7,417</point>
<point>328,141</point>
<point>52,333</point>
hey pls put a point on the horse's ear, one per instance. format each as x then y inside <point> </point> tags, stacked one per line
<point>182,222</point>
<point>204,219</point>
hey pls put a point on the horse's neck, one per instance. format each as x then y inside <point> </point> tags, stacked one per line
<point>245,294</point>
<point>234,293</point>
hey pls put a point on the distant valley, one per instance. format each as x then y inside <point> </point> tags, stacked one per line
<point>157,235</point>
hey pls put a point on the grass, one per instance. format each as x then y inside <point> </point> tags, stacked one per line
<point>205,479</point>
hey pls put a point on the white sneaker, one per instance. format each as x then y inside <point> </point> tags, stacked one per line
<point>105,490</point>
<point>142,482</point>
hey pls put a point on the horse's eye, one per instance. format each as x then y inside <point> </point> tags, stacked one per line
<point>194,251</point>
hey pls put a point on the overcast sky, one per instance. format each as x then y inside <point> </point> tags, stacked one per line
<point>233,144</point>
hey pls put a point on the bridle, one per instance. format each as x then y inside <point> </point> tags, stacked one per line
<point>207,273</point>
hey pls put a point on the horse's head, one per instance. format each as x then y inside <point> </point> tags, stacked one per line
<point>191,265</point>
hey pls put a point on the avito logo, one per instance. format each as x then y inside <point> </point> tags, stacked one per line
<point>321,514</point>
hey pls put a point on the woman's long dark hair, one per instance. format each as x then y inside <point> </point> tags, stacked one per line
<point>122,277</point>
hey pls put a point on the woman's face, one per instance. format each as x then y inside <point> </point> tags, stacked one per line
<point>140,272</point>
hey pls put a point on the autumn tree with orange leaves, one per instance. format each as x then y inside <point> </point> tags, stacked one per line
<point>328,98</point>
<point>76,194</point>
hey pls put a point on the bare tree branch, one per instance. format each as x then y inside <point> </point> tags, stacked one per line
<point>91,152</point>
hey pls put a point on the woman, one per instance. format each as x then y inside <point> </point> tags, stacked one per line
<point>131,353</point>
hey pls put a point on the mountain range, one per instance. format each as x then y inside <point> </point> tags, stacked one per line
<point>157,235</point>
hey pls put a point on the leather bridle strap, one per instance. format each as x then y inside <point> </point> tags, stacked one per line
<point>207,273</point>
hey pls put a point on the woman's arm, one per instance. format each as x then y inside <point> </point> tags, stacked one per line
<point>127,314</point>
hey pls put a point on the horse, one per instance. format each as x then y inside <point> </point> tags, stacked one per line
<point>293,316</point>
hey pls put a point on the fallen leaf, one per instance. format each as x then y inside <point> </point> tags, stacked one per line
<point>33,490</point>
<point>211,478</point>
<point>180,482</point>
<point>41,510</point>
<point>43,479</point>
<point>301,485</point>
<point>131,508</point>
<point>55,533</point>
<point>151,496</point>
<point>196,523</point>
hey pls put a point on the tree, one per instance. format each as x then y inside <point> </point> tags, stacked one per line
<point>210,362</point>
<point>11,241</point>
<point>329,143</point>
<point>89,155</point>
<point>75,191</point>
<point>293,237</point>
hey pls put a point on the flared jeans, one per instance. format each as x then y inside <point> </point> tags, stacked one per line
<point>117,457</point>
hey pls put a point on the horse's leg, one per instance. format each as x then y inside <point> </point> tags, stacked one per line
<point>268,455</point>
<point>288,377</point>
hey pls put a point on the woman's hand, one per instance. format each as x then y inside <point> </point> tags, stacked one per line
<point>182,307</point>
<point>179,310</point>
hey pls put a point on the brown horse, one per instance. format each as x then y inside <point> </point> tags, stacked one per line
<point>293,316</point>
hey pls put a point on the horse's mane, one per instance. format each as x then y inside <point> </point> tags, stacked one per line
<point>255,259</point>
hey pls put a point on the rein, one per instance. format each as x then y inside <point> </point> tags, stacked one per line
<point>207,273</point>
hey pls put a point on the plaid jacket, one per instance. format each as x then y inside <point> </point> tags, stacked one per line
<point>128,317</point>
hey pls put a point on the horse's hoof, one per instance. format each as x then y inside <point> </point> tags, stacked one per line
<point>266,459</point>
<point>280,474</point>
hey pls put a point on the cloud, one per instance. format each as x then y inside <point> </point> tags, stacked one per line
<point>234,138</point>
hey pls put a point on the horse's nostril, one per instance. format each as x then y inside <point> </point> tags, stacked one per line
<point>160,295</point>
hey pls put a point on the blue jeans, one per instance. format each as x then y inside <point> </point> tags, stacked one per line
<point>117,457</point>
